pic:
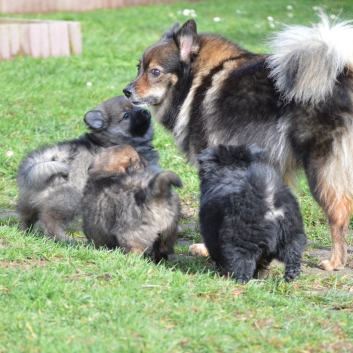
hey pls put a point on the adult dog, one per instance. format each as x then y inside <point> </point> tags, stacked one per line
<point>297,104</point>
<point>51,179</point>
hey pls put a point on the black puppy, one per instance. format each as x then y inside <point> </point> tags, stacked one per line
<point>248,217</point>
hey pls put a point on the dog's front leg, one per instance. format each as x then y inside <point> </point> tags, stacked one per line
<point>292,256</point>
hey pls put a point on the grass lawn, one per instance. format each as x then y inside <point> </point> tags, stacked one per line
<point>57,297</point>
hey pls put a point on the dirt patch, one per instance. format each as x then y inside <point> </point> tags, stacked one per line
<point>23,264</point>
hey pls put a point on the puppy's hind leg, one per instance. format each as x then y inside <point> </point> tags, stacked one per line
<point>27,219</point>
<point>52,226</point>
<point>58,209</point>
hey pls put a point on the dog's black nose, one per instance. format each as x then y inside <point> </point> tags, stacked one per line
<point>145,113</point>
<point>127,91</point>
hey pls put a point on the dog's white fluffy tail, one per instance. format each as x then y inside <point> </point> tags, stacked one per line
<point>38,168</point>
<point>307,60</point>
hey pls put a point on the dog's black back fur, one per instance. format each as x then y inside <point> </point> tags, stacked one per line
<point>247,216</point>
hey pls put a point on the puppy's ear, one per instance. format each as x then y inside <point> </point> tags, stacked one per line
<point>257,153</point>
<point>169,33</point>
<point>95,120</point>
<point>187,41</point>
<point>160,185</point>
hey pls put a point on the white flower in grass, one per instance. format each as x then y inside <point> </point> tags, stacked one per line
<point>189,12</point>
<point>216,19</point>
<point>238,12</point>
<point>10,153</point>
<point>89,84</point>
<point>272,25</point>
<point>290,15</point>
<point>333,17</point>
<point>270,18</point>
<point>289,7</point>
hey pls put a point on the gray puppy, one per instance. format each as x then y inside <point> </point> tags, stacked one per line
<point>130,205</point>
<point>51,179</point>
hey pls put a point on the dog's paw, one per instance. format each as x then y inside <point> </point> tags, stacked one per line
<point>243,280</point>
<point>329,265</point>
<point>291,276</point>
<point>198,250</point>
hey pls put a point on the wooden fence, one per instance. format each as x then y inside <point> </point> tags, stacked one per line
<point>39,38</point>
<point>40,6</point>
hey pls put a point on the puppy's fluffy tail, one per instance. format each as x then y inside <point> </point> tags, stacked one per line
<point>39,168</point>
<point>162,183</point>
<point>307,60</point>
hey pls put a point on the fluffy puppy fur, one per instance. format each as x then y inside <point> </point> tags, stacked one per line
<point>248,217</point>
<point>51,179</point>
<point>297,104</point>
<point>129,205</point>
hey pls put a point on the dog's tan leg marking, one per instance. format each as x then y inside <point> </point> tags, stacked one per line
<point>338,217</point>
<point>198,250</point>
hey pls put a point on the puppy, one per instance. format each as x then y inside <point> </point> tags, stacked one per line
<point>51,179</point>
<point>127,204</point>
<point>247,216</point>
<point>296,103</point>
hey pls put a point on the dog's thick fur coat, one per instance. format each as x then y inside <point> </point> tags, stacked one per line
<point>51,179</point>
<point>297,104</point>
<point>130,206</point>
<point>247,216</point>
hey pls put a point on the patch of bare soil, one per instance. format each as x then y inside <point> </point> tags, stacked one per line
<point>22,264</point>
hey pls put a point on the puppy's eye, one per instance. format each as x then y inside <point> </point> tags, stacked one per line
<point>155,72</point>
<point>126,116</point>
<point>138,67</point>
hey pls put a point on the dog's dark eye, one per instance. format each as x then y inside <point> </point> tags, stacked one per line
<point>126,116</point>
<point>138,67</point>
<point>155,72</point>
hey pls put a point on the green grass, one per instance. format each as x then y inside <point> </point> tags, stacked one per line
<point>58,297</point>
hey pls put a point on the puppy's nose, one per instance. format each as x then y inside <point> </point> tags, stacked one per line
<point>145,113</point>
<point>127,91</point>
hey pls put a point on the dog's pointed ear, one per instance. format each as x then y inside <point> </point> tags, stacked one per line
<point>95,120</point>
<point>169,33</point>
<point>161,184</point>
<point>187,40</point>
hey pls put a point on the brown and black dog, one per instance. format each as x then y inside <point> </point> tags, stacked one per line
<point>297,104</point>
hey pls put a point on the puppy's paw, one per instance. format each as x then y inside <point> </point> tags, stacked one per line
<point>291,276</point>
<point>198,250</point>
<point>330,265</point>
